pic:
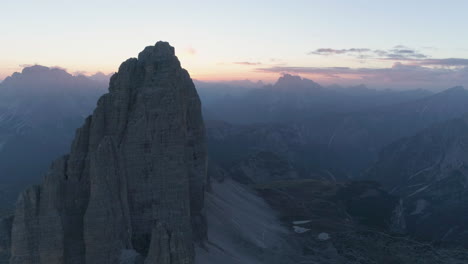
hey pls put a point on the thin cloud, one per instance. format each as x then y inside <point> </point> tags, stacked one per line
<point>401,54</point>
<point>398,52</point>
<point>444,62</point>
<point>330,51</point>
<point>247,63</point>
<point>400,47</point>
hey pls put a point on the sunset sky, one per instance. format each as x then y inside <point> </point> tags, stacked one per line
<point>378,43</point>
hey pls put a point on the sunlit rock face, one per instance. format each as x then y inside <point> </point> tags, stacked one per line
<point>131,190</point>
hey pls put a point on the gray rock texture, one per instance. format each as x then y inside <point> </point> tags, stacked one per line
<point>132,188</point>
<point>429,171</point>
<point>5,238</point>
<point>262,167</point>
<point>242,227</point>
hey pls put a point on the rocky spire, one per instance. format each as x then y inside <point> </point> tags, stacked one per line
<point>131,190</point>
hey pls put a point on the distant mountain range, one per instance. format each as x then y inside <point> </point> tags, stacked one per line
<point>340,144</point>
<point>40,108</point>
<point>429,171</point>
<point>293,98</point>
<point>297,172</point>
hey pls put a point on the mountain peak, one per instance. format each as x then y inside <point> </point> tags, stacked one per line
<point>456,89</point>
<point>47,82</point>
<point>288,81</point>
<point>155,67</point>
<point>289,77</point>
<point>38,73</point>
<point>36,70</point>
<point>134,181</point>
<point>160,50</point>
<point>100,76</point>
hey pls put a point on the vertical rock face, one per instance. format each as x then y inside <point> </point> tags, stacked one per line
<point>5,239</point>
<point>132,188</point>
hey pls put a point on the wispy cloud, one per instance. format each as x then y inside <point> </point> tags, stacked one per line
<point>399,52</point>
<point>410,67</point>
<point>443,62</point>
<point>402,54</point>
<point>330,51</point>
<point>247,63</point>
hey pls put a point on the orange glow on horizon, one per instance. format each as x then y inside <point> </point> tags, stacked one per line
<point>224,75</point>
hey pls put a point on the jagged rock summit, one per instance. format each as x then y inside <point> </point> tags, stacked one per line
<point>131,189</point>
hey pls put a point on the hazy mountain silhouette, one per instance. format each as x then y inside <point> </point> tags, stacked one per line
<point>429,171</point>
<point>293,98</point>
<point>101,77</point>
<point>358,137</point>
<point>288,171</point>
<point>40,108</point>
<point>341,144</point>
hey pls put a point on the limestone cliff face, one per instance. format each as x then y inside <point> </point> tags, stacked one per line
<point>132,188</point>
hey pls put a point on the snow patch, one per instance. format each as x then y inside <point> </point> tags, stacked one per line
<point>300,230</point>
<point>323,236</point>
<point>419,190</point>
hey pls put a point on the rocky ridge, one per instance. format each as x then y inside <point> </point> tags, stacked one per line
<point>429,172</point>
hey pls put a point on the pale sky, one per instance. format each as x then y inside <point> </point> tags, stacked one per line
<point>372,42</point>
